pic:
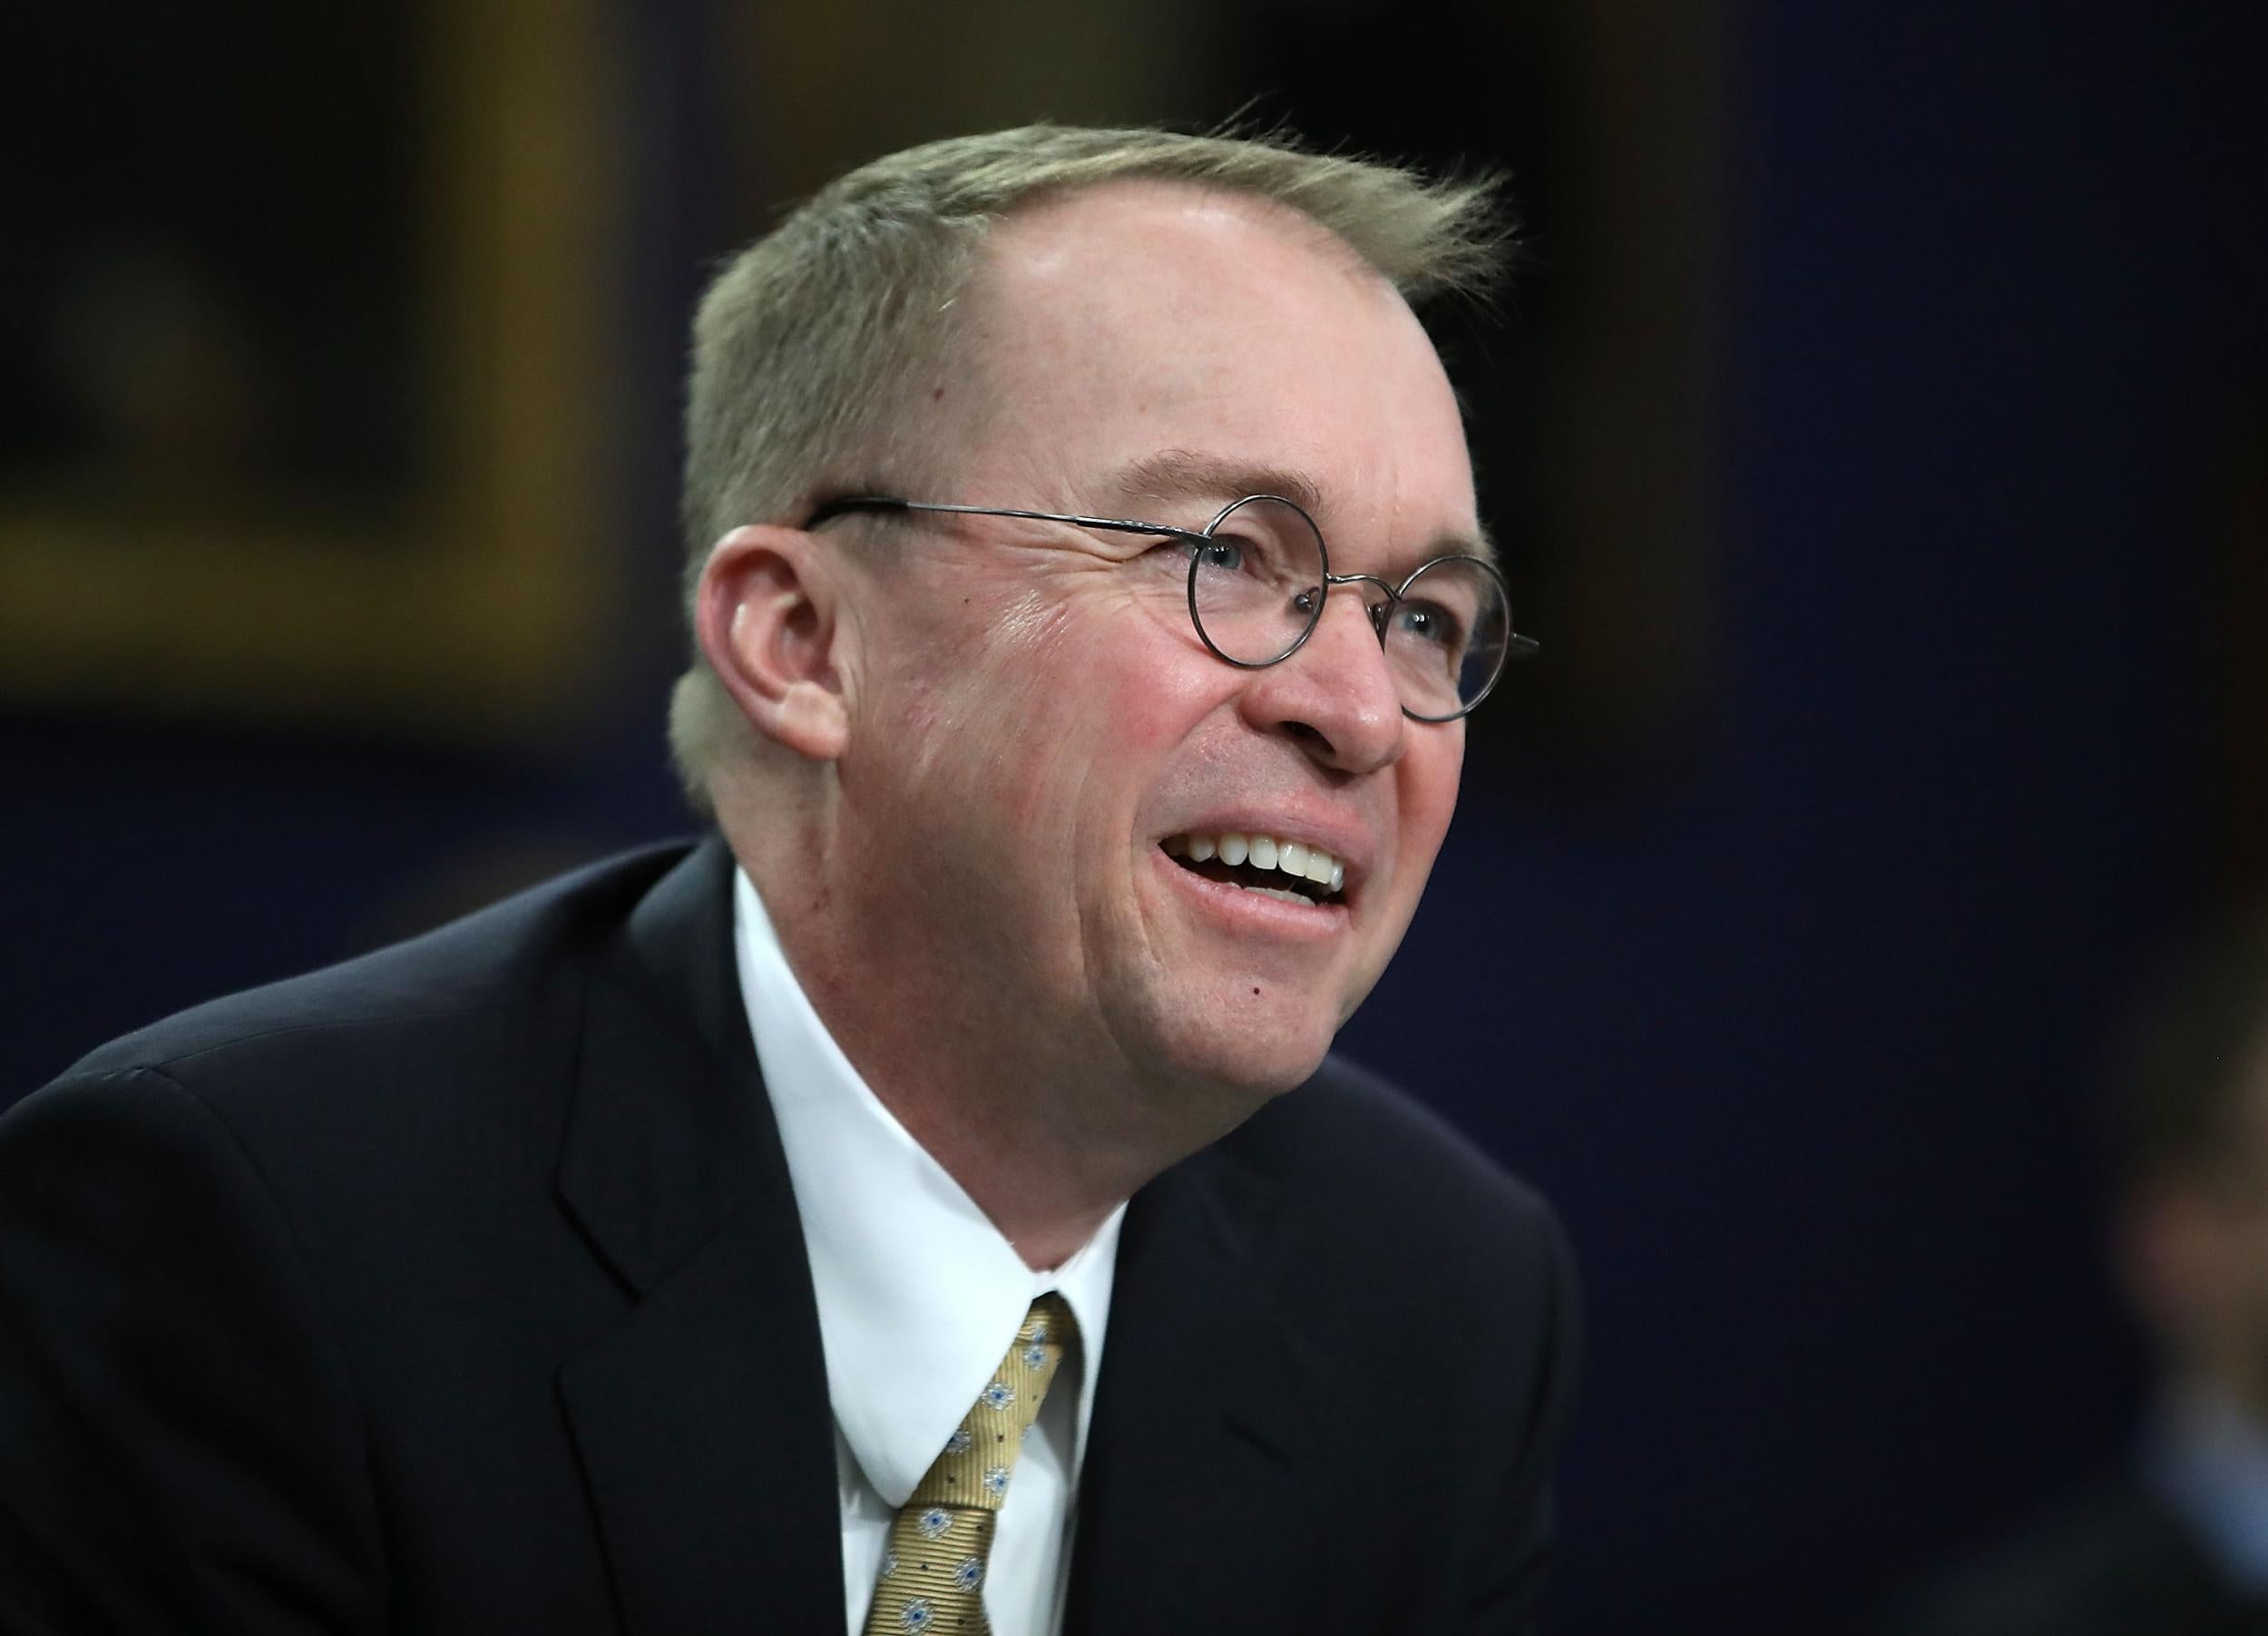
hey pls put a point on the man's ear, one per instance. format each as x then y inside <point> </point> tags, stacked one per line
<point>766,618</point>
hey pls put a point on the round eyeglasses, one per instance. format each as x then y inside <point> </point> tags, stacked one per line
<point>1258,574</point>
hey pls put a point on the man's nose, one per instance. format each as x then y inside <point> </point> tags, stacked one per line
<point>1336,696</point>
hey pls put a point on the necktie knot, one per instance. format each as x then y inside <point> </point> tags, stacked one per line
<point>974,1467</point>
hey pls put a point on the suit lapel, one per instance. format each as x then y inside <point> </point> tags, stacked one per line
<point>1198,1508</point>
<point>701,1419</point>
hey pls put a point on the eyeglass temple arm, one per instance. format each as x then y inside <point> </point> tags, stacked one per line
<point>1166,531</point>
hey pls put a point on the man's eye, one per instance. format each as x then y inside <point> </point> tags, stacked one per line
<point>1227,555</point>
<point>1425,622</point>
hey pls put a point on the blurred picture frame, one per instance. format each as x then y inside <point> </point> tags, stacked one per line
<point>305,415</point>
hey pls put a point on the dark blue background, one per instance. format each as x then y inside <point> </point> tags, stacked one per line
<point>1793,1021</point>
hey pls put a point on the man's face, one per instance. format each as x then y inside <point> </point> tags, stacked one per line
<point>1034,718</point>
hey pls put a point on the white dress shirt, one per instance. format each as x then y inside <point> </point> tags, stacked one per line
<point>919,1297</point>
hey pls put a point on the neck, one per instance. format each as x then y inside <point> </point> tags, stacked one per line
<point>1004,1123</point>
<point>1046,1145</point>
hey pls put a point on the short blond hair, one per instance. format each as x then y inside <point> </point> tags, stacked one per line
<point>805,344</point>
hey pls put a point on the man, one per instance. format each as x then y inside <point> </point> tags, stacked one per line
<point>691,1244</point>
<point>2175,1542</point>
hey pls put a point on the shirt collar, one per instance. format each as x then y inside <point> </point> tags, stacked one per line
<point>919,1294</point>
<point>2209,1458</point>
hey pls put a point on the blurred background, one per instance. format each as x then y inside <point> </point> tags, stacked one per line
<point>1878,431</point>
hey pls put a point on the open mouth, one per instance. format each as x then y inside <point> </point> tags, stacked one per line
<point>1290,870</point>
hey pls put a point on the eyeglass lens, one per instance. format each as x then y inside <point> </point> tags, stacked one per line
<point>1256,590</point>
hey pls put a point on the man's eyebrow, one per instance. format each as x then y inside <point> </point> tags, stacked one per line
<point>1173,476</point>
<point>1176,474</point>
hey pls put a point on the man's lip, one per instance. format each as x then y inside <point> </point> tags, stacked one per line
<point>1325,919</point>
<point>1349,847</point>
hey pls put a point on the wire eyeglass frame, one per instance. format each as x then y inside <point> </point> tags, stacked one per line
<point>1515,644</point>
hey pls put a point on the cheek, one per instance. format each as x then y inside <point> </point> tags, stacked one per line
<point>1430,774</point>
<point>1049,721</point>
<point>1028,723</point>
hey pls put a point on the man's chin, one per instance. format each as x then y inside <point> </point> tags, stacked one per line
<point>1236,1071</point>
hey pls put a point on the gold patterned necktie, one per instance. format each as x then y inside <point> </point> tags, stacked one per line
<point>932,1569</point>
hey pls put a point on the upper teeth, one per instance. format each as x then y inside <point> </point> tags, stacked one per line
<point>1299,859</point>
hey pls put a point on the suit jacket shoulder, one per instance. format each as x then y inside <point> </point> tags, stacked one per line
<point>1386,1221</point>
<point>495,964</point>
<point>329,1302</point>
<point>1388,1327</point>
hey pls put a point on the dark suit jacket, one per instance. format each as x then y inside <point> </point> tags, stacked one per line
<point>2117,1561</point>
<point>461,1288</point>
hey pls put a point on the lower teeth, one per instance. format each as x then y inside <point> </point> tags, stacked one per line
<point>1277,893</point>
